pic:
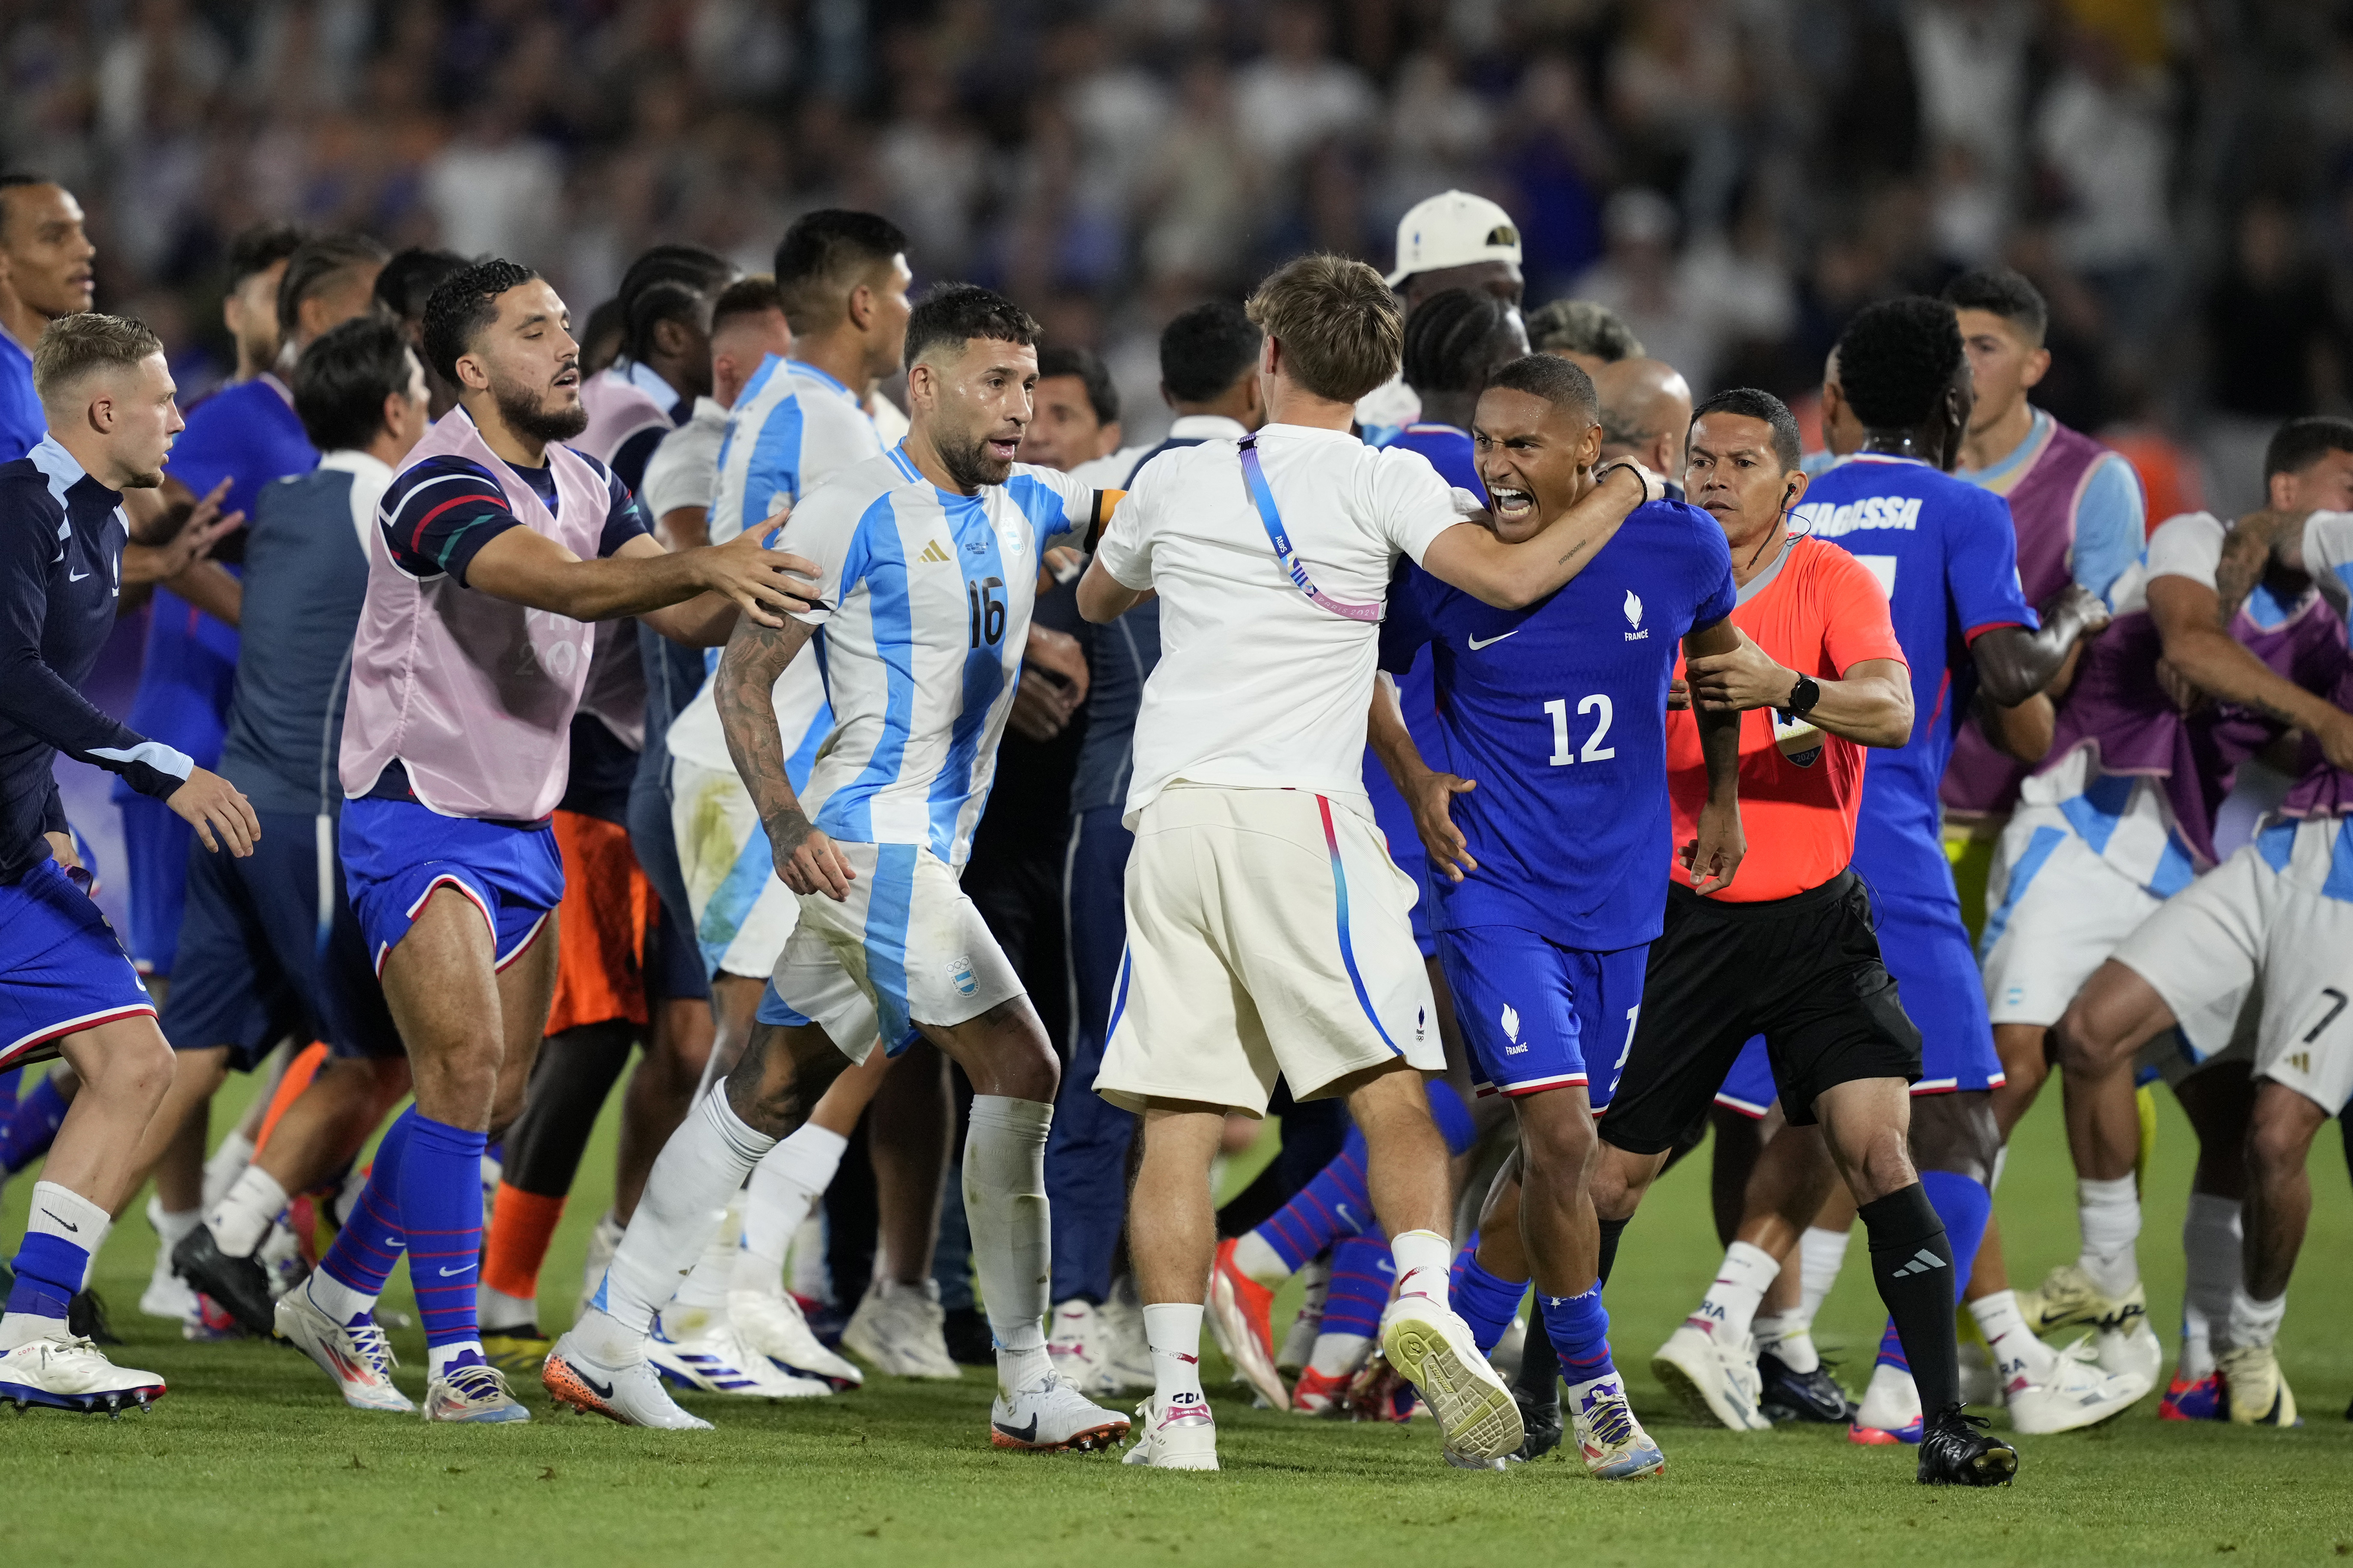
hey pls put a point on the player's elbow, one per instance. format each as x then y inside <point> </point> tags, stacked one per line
<point>1893,725</point>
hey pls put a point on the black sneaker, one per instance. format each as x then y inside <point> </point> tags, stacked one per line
<point>1955,1451</point>
<point>1801,1395</point>
<point>86,1317</point>
<point>969,1343</point>
<point>1541,1420</point>
<point>240,1285</point>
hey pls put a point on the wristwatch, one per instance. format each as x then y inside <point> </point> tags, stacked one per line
<point>1802,697</point>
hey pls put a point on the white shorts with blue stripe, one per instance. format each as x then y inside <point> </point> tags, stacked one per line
<point>2055,909</point>
<point>742,913</point>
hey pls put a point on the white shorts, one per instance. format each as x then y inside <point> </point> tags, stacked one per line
<point>2264,915</point>
<point>2056,911</point>
<point>905,946</point>
<point>1268,932</point>
<point>742,913</point>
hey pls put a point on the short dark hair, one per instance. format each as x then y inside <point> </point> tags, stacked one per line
<point>1092,373</point>
<point>1206,349</point>
<point>2300,443</point>
<point>2003,291</point>
<point>10,182</point>
<point>664,299</point>
<point>71,347</point>
<point>409,279</point>
<point>1448,338</point>
<point>1895,358</point>
<point>1582,327</point>
<point>754,294</point>
<point>958,313</point>
<point>260,248</point>
<point>692,266</point>
<point>1749,403</point>
<point>1559,381</point>
<point>824,250</point>
<point>461,305</point>
<point>342,380</point>
<point>1338,321</point>
<point>315,263</point>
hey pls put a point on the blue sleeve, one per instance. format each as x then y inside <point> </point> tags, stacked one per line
<point>624,519</point>
<point>1981,568</point>
<point>1405,627</point>
<point>2111,526</point>
<point>1719,596</point>
<point>436,517</point>
<point>205,453</point>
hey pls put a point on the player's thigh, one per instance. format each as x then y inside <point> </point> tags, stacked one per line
<point>2063,911</point>
<point>1517,1013</point>
<point>741,912</point>
<point>2305,1040</point>
<point>1924,946</point>
<point>65,969</point>
<point>1694,1015</point>
<point>1838,1015</point>
<point>236,993</point>
<point>813,986</point>
<point>2196,957</point>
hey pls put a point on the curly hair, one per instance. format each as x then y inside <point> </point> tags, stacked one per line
<point>1450,339</point>
<point>461,305</point>
<point>1895,358</point>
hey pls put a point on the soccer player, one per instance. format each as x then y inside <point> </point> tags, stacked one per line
<point>1452,240</point>
<point>1579,330</point>
<point>71,990</point>
<point>1267,925</point>
<point>927,558</point>
<point>45,273</point>
<point>1646,408</point>
<point>494,546</point>
<point>665,361</point>
<point>403,285</point>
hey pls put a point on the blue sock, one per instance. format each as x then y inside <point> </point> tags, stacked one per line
<point>1579,1327</point>
<point>1362,1273</point>
<point>441,1204</point>
<point>8,1089</point>
<point>1333,1203</point>
<point>373,1239</point>
<point>61,1227</point>
<point>1965,1206</point>
<point>1487,1304</point>
<point>1890,1350</point>
<point>31,1126</point>
<point>1453,1118</point>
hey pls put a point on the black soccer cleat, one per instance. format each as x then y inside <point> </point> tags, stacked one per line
<point>86,1317</point>
<point>1540,1418</point>
<point>1801,1395</point>
<point>241,1285</point>
<point>969,1339</point>
<point>1957,1451</point>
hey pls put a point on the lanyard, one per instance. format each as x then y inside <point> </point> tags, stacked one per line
<point>1284,555</point>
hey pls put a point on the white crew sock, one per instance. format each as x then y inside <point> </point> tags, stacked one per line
<point>785,1185</point>
<point>1820,1254</point>
<point>171,1229</point>
<point>705,1290</point>
<point>335,1298</point>
<point>1738,1289</point>
<point>1339,1355</point>
<point>246,1212</point>
<point>1012,1241</point>
<point>1258,1261</point>
<point>2254,1323</point>
<point>1425,1263</point>
<point>227,1162</point>
<point>811,1276</point>
<point>1173,1330</point>
<point>71,1229</point>
<point>2211,1243</point>
<point>1783,1334</point>
<point>685,1200</point>
<point>2109,1214</point>
<point>2016,1351</point>
<point>495,1311</point>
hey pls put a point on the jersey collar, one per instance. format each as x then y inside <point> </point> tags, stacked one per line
<point>803,368</point>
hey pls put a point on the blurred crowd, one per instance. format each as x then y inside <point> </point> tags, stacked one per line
<point>1732,176</point>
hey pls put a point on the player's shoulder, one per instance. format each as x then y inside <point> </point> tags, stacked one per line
<point>2188,529</point>
<point>849,492</point>
<point>22,486</point>
<point>439,478</point>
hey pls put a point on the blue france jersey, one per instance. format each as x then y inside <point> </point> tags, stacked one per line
<point>1559,712</point>
<point>1948,556</point>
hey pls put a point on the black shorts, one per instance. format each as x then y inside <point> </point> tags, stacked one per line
<point>1804,972</point>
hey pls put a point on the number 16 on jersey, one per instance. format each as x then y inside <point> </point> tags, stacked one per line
<point>1593,751</point>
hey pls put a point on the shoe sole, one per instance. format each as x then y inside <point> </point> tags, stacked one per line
<point>1653,1467</point>
<point>1695,1397</point>
<point>1878,1437</point>
<point>1252,1357</point>
<point>507,1416</point>
<point>1995,1468</point>
<point>317,1356</point>
<point>567,1388</point>
<point>1110,1434</point>
<point>1476,1415</point>
<point>2086,1417</point>
<point>24,1396</point>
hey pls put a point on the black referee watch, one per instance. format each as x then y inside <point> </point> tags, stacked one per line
<point>1802,697</point>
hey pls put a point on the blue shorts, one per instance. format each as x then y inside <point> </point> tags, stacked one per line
<point>1396,821</point>
<point>1748,1088</point>
<point>1539,1015</point>
<point>155,841</point>
<point>1927,948</point>
<point>395,852</point>
<point>62,969</point>
<point>261,964</point>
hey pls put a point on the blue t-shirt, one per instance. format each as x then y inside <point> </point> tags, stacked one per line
<point>246,434</point>
<point>1948,556</point>
<point>22,424</point>
<point>1559,712</point>
<point>1450,452</point>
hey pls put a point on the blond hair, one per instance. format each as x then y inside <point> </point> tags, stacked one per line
<point>71,347</point>
<point>1339,325</point>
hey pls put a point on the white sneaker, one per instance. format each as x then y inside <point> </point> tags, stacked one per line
<point>2131,1349</point>
<point>2073,1392</point>
<point>356,1355</point>
<point>1049,1414</point>
<point>74,1374</point>
<point>632,1396</point>
<point>602,1242</point>
<point>1434,1348</point>
<point>2259,1395</point>
<point>1179,1436</point>
<point>475,1393</point>
<point>700,1348</point>
<point>1075,1336</point>
<point>1610,1441</point>
<point>1714,1373</point>
<point>1126,1353</point>
<point>167,1295</point>
<point>771,1323</point>
<point>899,1329</point>
<point>1981,1381</point>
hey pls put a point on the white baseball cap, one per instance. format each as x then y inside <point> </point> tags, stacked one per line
<point>1453,229</point>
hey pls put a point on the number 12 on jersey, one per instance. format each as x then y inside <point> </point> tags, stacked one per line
<point>1593,751</point>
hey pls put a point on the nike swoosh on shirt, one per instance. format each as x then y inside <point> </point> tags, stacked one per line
<point>75,576</point>
<point>1477,643</point>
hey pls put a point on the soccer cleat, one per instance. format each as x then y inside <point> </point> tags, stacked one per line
<point>602,1241</point>
<point>239,1284</point>
<point>473,1391</point>
<point>899,1329</point>
<point>1787,1396</point>
<point>1433,1347</point>
<point>2066,1299</point>
<point>1890,1411</point>
<point>2078,1392</point>
<point>2204,1400</point>
<point>167,1296</point>
<point>2256,1392</point>
<point>72,1374</point>
<point>354,1355</point>
<point>1241,1311</point>
<point>1320,1394</point>
<point>1957,1451</point>
<point>1179,1436</point>
<point>1980,1379</point>
<point>1541,1421</point>
<point>1048,1415</point>
<point>1715,1376</point>
<point>631,1396</point>
<point>703,1349</point>
<point>1611,1442</point>
<point>1126,1353</point>
<point>772,1324</point>
<point>519,1351</point>
<point>2131,1349</point>
<point>1074,1343</point>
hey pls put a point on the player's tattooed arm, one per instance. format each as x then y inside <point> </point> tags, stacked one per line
<point>744,689</point>
<point>1425,790</point>
<point>2256,542</point>
<point>2191,619</point>
<point>1712,858</point>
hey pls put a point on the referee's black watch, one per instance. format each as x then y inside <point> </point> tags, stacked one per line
<point>1802,697</point>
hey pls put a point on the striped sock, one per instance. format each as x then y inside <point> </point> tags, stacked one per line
<point>373,1238</point>
<point>1362,1273</point>
<point>1890,1350</point>
<point>1486,1302</point>
<point>1335,1202</point>
<point>1580,1327</point>
<point>441,1199</point>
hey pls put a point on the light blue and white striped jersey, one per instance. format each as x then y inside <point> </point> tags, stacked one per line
<point>924,610</point>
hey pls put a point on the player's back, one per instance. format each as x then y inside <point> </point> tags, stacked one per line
<point>792,427</point>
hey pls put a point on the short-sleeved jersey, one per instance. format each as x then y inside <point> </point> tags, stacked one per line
<point>1819,612</point>
<point>925,600</point>
<point>246,434</point>
<point>22,422</point>
<point>1947,555</point>
<point>438,515</point>
<point>1558,711</point>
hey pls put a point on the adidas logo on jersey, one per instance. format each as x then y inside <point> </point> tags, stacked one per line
<point>1634,617</point>
<point>934,552</point>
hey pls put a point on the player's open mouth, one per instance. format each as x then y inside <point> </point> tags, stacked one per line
<point>1510,505</point>
<point>1002,447</point>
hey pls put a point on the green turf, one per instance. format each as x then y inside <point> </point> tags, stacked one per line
<point>250,1460</point>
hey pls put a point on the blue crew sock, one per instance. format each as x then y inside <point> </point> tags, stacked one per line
<point>62,1228</point>
<point>1579,1327</point>
<point>1965,1206</point>
<point>441,1203</point>
<point>1453,1118</point>
<point>1362,1273</point>
<point>1333,1203</point>
<point>31,1125</point>
<point>373,1239</point>
<point>1487,1303</point>
<point>1890,1350</point>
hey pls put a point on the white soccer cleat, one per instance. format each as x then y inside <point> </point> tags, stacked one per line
<point>1048,1415</point>
<point>899,1328</point>
<point>1714,1374</point>
<point>772,1324</point>
<point>1075,1336</point>
<point>1981,1381</point>
<point>168,1296</point>
<point>603,1241</point>
<point>1610,1441</point>
<point>1127,1354</point>
<point>703,1349</point>
<point>1434,1348</point>
<point>2073,1393</point>
<point>2259,1395</point>
<point>74,1374</point>
<point>2130,1348</point>
<point>473,1392</point>
<point>1178,1436</point>
<point>631,1396</point>
<point>355,1356</point>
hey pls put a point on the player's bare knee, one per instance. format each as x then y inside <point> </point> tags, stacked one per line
<point>1556,1142</point>
<point>2279,1137</point>
<point>1957,1133</point>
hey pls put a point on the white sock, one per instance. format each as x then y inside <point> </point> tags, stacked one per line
<point>1012,1240</point>
<point>785,1184</point>
<point>1258,1261</point>
<point>1425,1263</point>
<point>171,1229</point>
<point>2000,1163</point>
<point>1738,1289</point>
<point>2016,1351</point>
<point>812,1277</point>
<point>1788,1337</point>
<point>1820,1254</point>
<point>2109,1214</point>
<point>335,1298</point>
<point>1173,1330</point>
<point>706,1287</point>
<point>2210,1242</point>
<point>246,1210</point>
<point>1338,1355</point>
<point>227,1162</point>
<point>70,1221</point>
<point>439,1357</point>
<point>685,1200</point>
<point>496,1311</point>
<point>2254,1323</point>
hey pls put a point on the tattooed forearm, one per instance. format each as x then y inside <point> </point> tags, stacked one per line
<point>744,691</point>
<point>2248,552</point>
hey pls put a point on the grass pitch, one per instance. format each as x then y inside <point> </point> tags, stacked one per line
<point>251,1460</point>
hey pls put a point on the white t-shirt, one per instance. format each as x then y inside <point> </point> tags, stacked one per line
<point>1258,686</point>
<point>684,469</point>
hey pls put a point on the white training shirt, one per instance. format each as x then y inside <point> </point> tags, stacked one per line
<point>684,469</point>
<point>925,602</point>
<point>1259,687</point>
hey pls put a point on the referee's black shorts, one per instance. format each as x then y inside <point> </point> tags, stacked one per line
<point>1804,972</point>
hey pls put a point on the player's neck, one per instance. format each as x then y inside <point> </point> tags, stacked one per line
<point>510,445</point>
<point>1918,445</point>
<point>840,355</point>
<point>1988,444</point>
<point>86,449</point>
<point>22,322</point>
<point>1756,554</point>
<point>1288,403</point>
<point>925,456</point>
